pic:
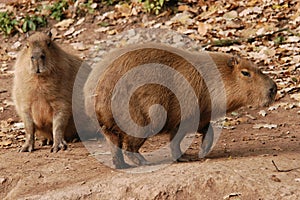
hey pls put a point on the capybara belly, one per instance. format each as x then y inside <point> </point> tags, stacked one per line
<point>42,114</point>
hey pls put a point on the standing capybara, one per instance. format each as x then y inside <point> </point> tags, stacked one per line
<point>42,91</point>
<point>243,83</point>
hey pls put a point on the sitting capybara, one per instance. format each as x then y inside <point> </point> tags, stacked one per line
<point>42,91</point>
<point>243,84</point>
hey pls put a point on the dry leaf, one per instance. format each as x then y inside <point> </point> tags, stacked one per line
<point>16,45</point>
<point>269,126</point>
<point>203,27</point>
<point>19,125</point>
<point>293,39</point>
<point>70,31</point>
<point>76,33</point>
<point>124,9</point>
<point>230,15</point>
<point>183,8</point>
<point>79,21</point>
<point>5,143</point>
<point>262,113</point>
<point>102,29</point>
<point>296,96</point>
<point>79,46</point>
<point>64,24</point>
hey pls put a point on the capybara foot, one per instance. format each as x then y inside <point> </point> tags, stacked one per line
<point>183,158</point>
<point>62,145</point>
<point>122,166</point>
<point>75,140</point>
<point>27,148</point>
<point>47,142</point>
<point>119,162</point>
<point>136,158</point>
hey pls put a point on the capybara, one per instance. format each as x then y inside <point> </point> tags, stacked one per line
<point>42,92</point>
<point>243,83</point>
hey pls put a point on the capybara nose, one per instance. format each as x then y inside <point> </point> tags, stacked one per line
<point>273,90</point>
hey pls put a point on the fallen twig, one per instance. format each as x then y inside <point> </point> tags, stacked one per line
<point>283,170</point>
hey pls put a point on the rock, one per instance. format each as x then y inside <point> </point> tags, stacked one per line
<point>2,180</point>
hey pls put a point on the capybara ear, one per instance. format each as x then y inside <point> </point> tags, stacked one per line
<point>49,33</point>
<point>234,61</point>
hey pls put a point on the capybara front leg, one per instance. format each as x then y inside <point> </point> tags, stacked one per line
<point>30,131</point>
<point>176,139</point>
<point>60,121</point>
<point>207,141</point>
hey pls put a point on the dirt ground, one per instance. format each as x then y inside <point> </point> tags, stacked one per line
<point>239,167</point>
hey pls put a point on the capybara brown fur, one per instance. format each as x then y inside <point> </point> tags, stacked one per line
<point>243,83</point>
<point>42,91</point>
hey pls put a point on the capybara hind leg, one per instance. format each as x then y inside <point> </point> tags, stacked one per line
<point>59,125</point>
<point>207,141</point>
<point>131,148</point>
<point>115,144</point>
<point>176,139</point>
<point>30,131</point>
<point>117,157</point>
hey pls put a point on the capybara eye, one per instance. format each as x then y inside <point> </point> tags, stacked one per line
<point>43,57</point>
<point>48,43</point>
<point>245,73</point>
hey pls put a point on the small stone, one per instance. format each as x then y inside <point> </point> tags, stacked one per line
<point>274,178</point>
<point>131,33</point>
<point>2,180</point>
<point>177,38</point>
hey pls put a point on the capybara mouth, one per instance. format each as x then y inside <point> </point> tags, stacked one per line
<point>269,102</point>
<point>271,95</point>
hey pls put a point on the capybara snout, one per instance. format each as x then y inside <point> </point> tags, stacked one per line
<point>272,91</point>
<point>38,62</point>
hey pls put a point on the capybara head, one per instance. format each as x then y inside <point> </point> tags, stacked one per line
<point>38,48</point>
<point>246,84</point>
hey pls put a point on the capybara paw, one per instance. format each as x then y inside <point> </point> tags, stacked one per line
<point>183,158</point>
<point>59,146</point>
<point>122,166</point>
<point>47,142</point>
<point>26,148</point>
